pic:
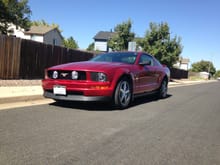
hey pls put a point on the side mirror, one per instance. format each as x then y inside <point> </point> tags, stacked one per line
<point>148,62</point>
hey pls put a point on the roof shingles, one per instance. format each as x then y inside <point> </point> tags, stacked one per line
<point>39,30</point>
<point>103,35</point>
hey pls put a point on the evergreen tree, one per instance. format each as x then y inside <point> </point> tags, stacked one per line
<point>122,37</point>
<point>158,42</point>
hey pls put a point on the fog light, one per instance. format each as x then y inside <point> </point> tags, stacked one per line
<point>75,75</point>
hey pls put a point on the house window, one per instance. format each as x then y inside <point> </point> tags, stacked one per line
<point>54,41</point>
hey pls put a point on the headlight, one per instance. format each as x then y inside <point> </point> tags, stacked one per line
<point>75,75</point>
<point>102,77</point>
<point>98,76</point>
<point>55,74</point>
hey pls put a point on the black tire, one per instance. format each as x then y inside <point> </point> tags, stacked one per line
<point>123,94</point>
<point>162,93</point>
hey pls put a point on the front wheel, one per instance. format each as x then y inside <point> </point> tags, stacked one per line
<point>123,94</point>
<point>162,93</point>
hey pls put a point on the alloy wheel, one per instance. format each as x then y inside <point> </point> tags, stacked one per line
<point>124,93</point>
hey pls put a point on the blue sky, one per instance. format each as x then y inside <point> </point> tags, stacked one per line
<point>197,22</point>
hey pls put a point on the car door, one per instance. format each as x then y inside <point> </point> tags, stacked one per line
<point>146,75</point>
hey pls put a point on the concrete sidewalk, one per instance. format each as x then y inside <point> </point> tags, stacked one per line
<point>28,90</point>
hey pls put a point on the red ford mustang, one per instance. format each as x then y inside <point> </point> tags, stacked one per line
<point>116,76</point>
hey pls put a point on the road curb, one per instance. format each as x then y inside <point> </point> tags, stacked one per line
<point>20,99</point>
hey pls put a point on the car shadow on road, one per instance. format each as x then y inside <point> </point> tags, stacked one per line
<point>89,106</point>
<point>104,106</point>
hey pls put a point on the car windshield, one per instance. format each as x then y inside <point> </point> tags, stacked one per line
<point>123,57</point>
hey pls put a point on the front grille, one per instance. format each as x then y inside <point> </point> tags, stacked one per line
<point>66,75</point>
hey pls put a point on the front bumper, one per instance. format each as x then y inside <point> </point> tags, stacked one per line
<point>71,97</point>
<point>78,90</point>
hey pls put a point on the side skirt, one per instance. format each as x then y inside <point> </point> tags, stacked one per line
<point>144,94</point>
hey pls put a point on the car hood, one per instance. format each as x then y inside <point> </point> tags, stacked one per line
<point>89,66</point>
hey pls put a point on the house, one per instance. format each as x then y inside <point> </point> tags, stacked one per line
<point>16,31</point>
<point>44,34</point>
<point>182,63</point>
<point>101,40</point>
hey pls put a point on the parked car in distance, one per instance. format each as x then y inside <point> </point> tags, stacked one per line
<point>115,76</point>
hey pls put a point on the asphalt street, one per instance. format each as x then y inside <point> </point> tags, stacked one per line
<point>183,129</point>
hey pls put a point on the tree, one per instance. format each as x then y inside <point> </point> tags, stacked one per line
<point>158,42</point>
<point>44,23</point>
<point>70,43</point>
<point>40,23</point>
<point>203,66</point>
<point>122,36</point>
<point>91,47</point>
<point>14,12</point>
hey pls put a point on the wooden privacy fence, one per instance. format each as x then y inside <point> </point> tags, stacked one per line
<point>9,57</point>
<point>26,59</point>
<point>178,73</point>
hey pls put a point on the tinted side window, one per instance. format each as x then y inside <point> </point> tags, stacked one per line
<point>146,58</point>
<point>156,62</point>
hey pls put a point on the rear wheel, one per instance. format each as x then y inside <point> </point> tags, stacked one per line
<point>163,89</point>
<point>123,94</point>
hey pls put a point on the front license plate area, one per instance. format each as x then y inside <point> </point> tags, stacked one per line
<point>59,90</point>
